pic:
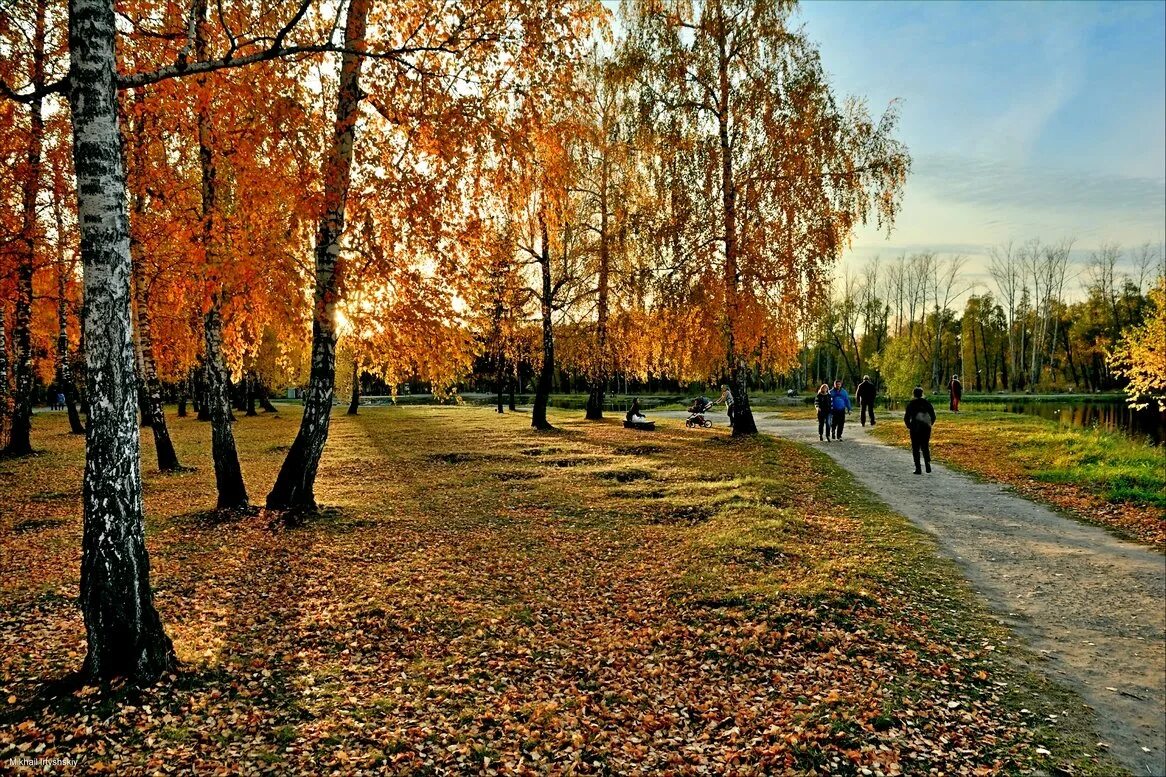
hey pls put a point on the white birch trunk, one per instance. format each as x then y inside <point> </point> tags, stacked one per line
<point>295,486</point>
<point>124,631</point>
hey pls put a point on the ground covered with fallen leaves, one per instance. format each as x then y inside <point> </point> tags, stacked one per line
<point>1094,475</point>
<point>478,597</point>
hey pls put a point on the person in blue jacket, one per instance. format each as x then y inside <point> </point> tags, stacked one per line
<point>840,406</point>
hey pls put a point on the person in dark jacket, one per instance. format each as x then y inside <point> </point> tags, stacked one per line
<point>822,403</point>
<point>865,394</point>
<point>919,417</point>
<point>955,391</point>
<point>840,406</point>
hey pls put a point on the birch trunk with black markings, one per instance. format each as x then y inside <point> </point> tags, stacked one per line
<point>152,388</point>
<point>354,404</point>
<point>20,435</point>
<point>125,634</point>
<point>5,394</point>
<point>64,372</point>
<point>542,392</point>
<point>150,392</point>
<point>598,377</point>
<point>232,493</point>
<point>743,422</point>
<point>295,486</point>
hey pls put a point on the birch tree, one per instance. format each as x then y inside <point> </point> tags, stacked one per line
<point>1006,273</point>
<point>65,270</point>
<point>791,173</point>
<point>19,433</point>
<point>125,635</point>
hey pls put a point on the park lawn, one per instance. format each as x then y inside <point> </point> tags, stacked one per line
<point>1094,475</point>
<point>480,597</point>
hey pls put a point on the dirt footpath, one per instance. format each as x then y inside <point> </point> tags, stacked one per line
<point>1096,604</point>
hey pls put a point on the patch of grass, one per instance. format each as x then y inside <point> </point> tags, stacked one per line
<point>1095,475</point>
<point>627,475</point>
<point>508,475</point>
<point>450,458</point>
<point>570,461</point>
<point>54,496</point>
<point>175,733</point>
<point>36,524</point>
<point>683,514</point>
<point>464,603</point>
<point>636,450</point>
<point>284,735</point>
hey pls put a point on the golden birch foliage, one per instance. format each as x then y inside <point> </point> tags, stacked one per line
<point>439,144</point>
<point>1140,356</point>
<point>17,24</point>
<point>262,128</point>
<point>775,173</point>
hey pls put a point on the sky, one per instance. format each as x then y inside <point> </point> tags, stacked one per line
<point>1023,119</point>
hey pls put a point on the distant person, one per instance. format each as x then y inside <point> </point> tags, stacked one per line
<point>955,390</point>
<point>60,400</point>
<point>919,416</point>
<point>865,394</point>
<point>726,397</point>
<point>822,402</point>
<point>839,407</point>
<point>634,415</point>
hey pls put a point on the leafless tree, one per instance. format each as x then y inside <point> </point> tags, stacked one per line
<point>1006,271</point>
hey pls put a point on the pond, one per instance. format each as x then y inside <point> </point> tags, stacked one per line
<point>1111,415</point>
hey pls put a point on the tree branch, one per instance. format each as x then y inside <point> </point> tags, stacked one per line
<point>275,52</point>
<point>39,93</point>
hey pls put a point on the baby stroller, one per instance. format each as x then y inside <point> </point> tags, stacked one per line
<point>696,411</point>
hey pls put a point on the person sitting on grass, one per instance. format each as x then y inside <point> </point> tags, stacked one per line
<point>634,415</point>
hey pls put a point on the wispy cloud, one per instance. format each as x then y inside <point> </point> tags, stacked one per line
<point>1005,186</point>
<point>1025,119</point>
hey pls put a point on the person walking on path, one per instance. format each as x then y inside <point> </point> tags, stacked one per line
<point>955,390</point>
<point>726,397</point>
<point>865,394</point>
<point>822,402</point>
<point>919,417</point>
<point>839,406</point>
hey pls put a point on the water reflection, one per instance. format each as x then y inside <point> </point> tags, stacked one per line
<point>1112,416</point>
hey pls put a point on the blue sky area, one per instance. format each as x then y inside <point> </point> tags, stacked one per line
<point>1024,119</point>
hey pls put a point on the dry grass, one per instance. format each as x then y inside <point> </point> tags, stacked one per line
<point>480,597</point>
<point>1097,476</point>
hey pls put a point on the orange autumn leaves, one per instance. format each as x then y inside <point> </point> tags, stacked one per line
<point>500,107</point>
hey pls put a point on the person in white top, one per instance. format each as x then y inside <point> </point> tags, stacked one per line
<point>726,397</point>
